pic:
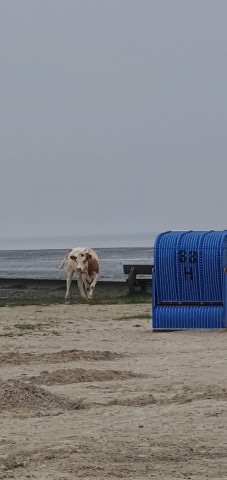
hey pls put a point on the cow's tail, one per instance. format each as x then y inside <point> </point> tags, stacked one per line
<point>64,260</point>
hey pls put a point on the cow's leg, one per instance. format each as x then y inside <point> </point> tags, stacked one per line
<point>92,286</point>
<point>81,286</point>
<point>68,283</point>
<point>86,283</point>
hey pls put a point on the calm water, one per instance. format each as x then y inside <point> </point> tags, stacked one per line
<point>43,264</point>
<point>40,257</point>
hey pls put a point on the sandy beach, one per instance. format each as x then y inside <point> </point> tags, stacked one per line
<point>89,391</point>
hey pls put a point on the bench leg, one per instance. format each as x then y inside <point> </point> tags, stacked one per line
<point>131,280</point>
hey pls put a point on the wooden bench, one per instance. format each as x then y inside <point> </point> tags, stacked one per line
<point>145,279</point>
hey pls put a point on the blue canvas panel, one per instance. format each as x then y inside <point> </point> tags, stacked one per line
<point>189,268</point>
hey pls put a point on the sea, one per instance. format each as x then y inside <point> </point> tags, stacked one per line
<point>39,258</point>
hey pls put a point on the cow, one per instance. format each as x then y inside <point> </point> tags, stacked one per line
<point>85,262</point>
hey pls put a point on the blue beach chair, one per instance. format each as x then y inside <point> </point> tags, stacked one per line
<point>189,281</point>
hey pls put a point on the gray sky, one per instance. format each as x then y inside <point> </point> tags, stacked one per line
<point>113,116</point>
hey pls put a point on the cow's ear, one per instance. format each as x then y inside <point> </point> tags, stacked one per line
<point>73,257</point>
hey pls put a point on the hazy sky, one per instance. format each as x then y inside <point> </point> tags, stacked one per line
<point>113,116</point>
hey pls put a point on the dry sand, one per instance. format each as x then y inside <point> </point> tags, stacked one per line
<point>88,391</point>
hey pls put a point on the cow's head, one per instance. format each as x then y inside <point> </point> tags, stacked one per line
<point>81,261</point>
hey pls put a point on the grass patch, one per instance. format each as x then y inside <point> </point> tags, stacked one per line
<point>29,327</point>
<point>25,326</point>
<point>128,299</point>
<point>144,316</point>
<point>12,464</point>
<point>29,301</point>
<point>9,334</point>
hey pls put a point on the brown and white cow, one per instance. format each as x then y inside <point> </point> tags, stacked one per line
<point>85,262</point>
